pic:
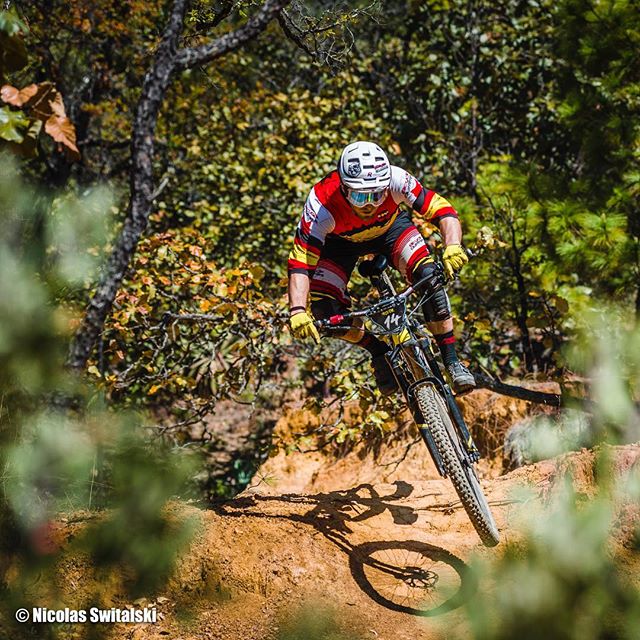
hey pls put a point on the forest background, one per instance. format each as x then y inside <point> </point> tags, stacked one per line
<point>156,159</point>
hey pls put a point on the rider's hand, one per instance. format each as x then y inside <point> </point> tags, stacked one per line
<point>302,326</point>
<point>454,258</point>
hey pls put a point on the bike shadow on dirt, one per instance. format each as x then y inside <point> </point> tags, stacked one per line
<point>408,576</point>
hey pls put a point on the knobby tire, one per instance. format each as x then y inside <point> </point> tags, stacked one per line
<point>465,482</point>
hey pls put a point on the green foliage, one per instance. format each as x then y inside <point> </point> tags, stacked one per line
<point>607,350</point>
<point>545,259</point>
<point>598,83</point>
<point>565,577</point>
<point>13,53</point>
<point>513,301</point>
<point>560,581</point>
<point>460,81</point>
<point>12,125</point>
<point>138,534</point>
<point>61,449</point>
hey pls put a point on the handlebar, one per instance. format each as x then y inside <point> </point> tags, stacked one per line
<point>437,278</point>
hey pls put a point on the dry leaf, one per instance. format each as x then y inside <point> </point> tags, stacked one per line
<point>57,105</point>
<point>62,130</point>
<point>18,97</point>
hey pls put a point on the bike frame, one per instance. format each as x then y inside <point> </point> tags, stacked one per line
<point>412,359</point>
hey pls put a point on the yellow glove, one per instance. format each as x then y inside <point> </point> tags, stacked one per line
<point>302,326</point>
<point>454,258</point>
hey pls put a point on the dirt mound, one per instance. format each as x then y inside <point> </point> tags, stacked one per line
<point>402,454</point>
<point>490,415</point>
<point>359,552</point>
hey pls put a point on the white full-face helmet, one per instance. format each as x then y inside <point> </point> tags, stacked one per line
<point>365,173</point>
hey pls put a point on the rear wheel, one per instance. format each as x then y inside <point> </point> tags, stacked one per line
<point>460,472</point>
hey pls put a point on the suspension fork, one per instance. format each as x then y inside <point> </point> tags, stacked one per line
<point>408,389</point>
<point>463,431</point>
<point>435,377</point>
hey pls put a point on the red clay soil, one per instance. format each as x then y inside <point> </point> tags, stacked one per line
<point>264,557</point>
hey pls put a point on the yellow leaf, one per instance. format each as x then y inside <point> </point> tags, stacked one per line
<point>205,305</point>
<point>257,272</point>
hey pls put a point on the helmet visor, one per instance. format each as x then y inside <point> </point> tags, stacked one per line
<point>363,198</point>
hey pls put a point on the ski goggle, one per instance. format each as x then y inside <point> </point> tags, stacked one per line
<point>363,198</point>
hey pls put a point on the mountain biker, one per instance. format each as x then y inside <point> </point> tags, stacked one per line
<point>354,211</point>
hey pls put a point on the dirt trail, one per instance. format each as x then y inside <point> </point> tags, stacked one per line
<point>262,557</point>
<point>372,537</point>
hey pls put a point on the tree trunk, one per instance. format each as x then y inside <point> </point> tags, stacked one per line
<point>168,59</point>
<point>522,306</point>
<point>153,90</point>
<point>476,131</point>
<point>522,316</point>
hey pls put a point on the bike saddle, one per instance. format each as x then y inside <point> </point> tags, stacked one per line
<point>375,267</point>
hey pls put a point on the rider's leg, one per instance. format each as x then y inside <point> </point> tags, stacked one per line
<point>410,255</point>
<point>437,315</point>
<point>329,297</point>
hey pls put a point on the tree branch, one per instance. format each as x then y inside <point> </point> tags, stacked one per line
<point>205,53</point>
<point>296,39</point>
<point>514,391</point>
<point>550,399</point>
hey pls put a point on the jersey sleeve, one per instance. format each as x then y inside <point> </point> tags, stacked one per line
<point>429,205</point>
<point>316,222</point>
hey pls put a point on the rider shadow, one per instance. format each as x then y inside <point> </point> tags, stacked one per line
<point>408,576</point>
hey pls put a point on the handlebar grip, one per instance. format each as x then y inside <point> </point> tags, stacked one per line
<point>329,322</point>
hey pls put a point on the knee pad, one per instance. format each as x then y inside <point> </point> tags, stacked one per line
<point>436,308</point>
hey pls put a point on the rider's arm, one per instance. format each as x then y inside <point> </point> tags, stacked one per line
<point>454,257</point>
<point>451,231</point>
<point>316,222</point>
<point>298,290</point>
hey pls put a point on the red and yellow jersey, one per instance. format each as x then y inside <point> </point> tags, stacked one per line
<point>327,212</point>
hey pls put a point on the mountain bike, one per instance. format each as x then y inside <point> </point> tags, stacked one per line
<point>428,395</point>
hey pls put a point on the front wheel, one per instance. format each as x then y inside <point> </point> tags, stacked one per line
<point>461,473</point>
